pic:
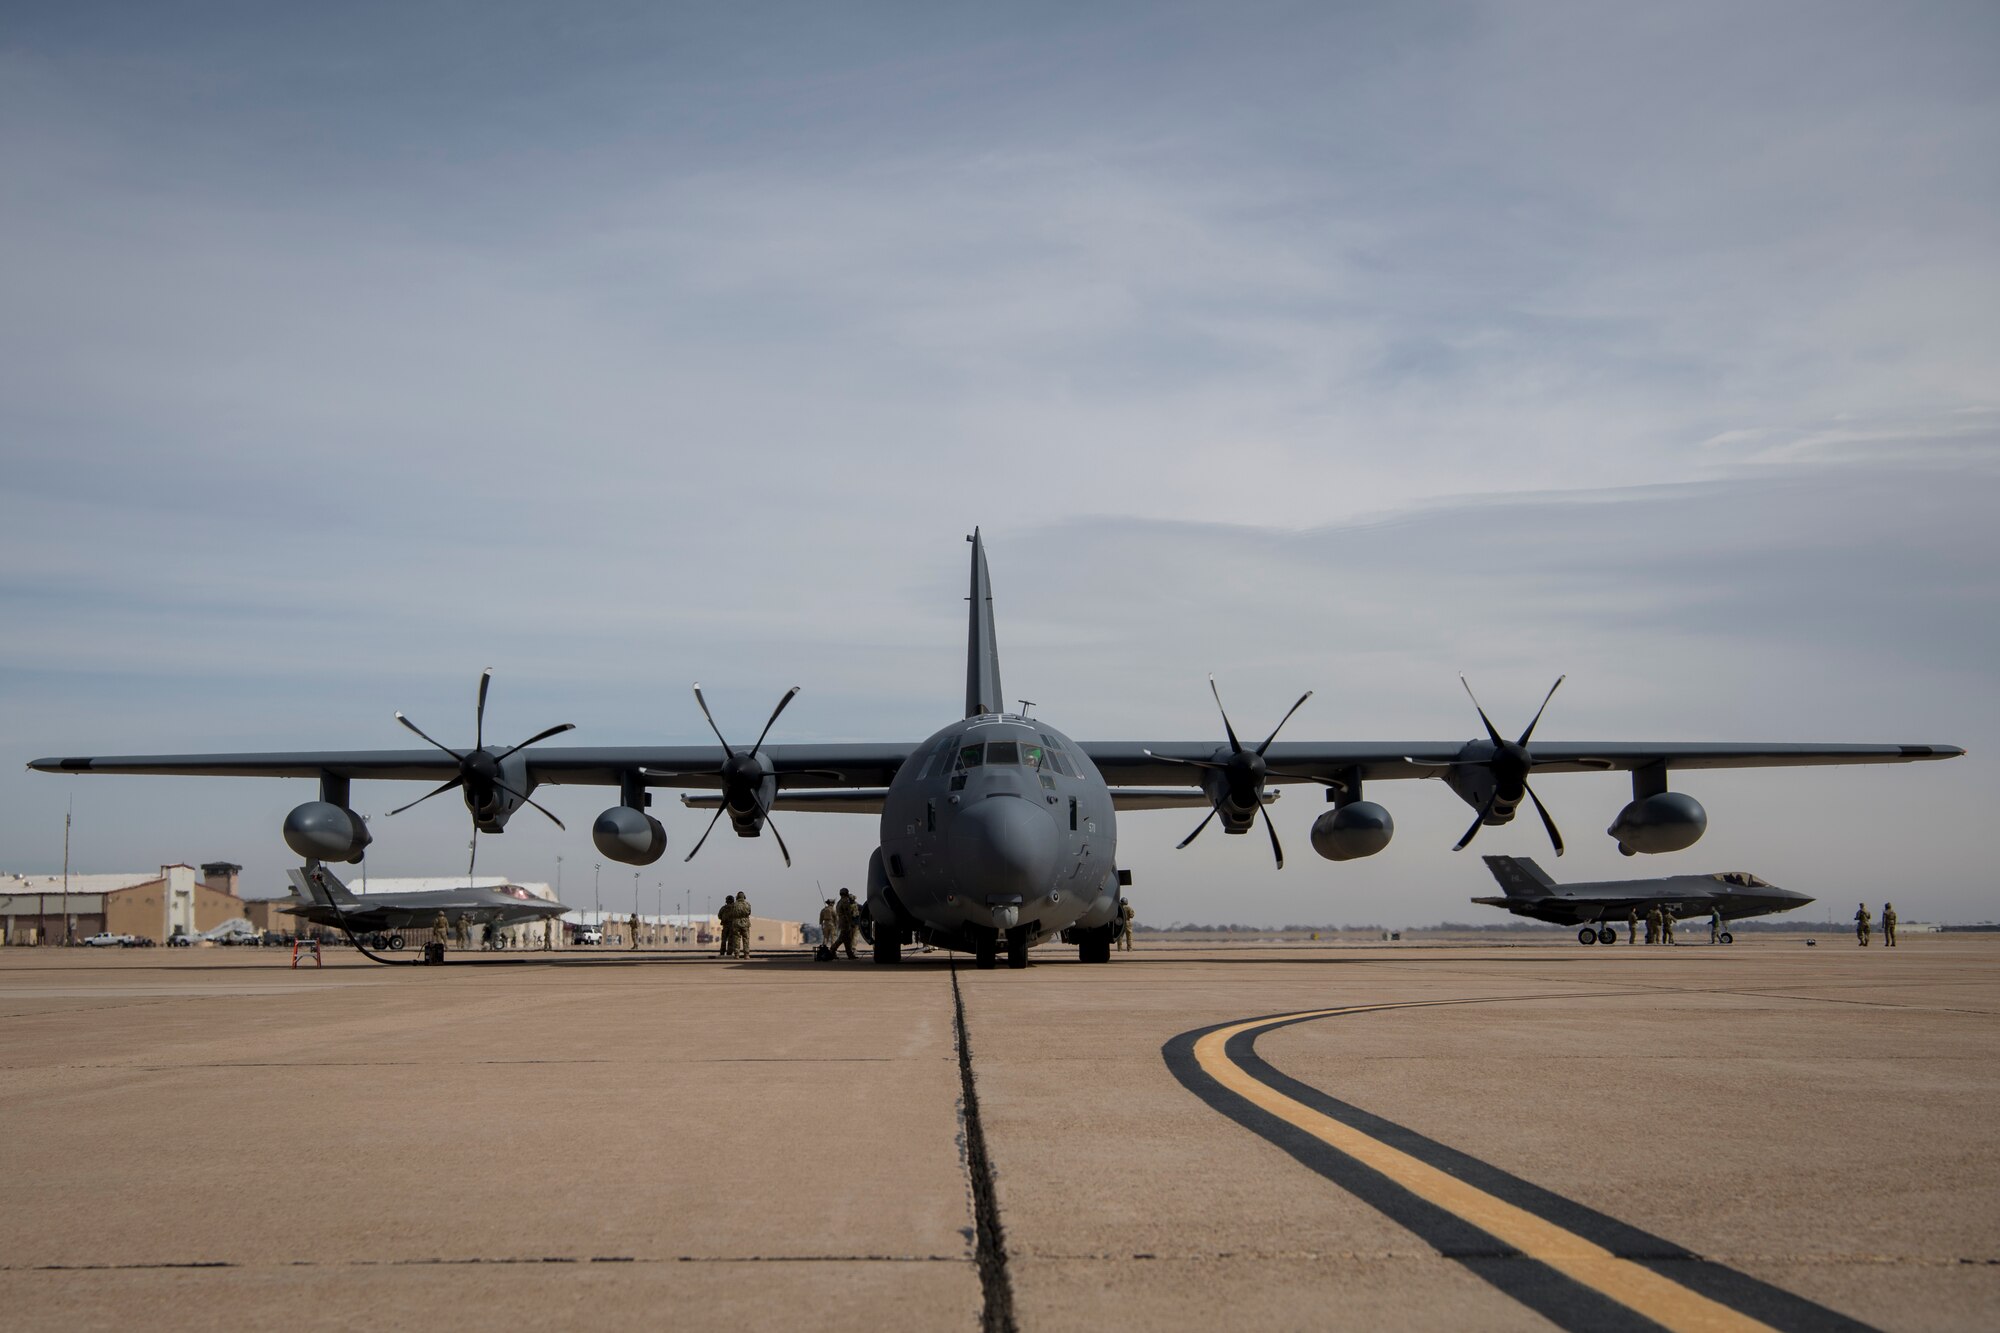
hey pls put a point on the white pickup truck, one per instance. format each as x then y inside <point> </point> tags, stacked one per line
<point>105,939</point>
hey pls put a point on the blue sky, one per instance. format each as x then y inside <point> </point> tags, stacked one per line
<point>343,353</point>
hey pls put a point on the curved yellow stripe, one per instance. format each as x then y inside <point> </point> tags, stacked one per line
<point>1635,1286</point>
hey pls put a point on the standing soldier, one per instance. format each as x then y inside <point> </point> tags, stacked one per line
<point>1861,923</point>
<point>441,928</point>
<point>1125,915</point>
<point>1652,925</point>
<point>1888,925</point>
<point>743,913</point>
<point>1715,925</point>
<point>1667,923</point>
<point>845,911</point>
<point>829,926</point>
<point>1632,925</point>
<point>724,915</point>
<point>548,935</point>
<point>635,930</point>
<point>462,928</point>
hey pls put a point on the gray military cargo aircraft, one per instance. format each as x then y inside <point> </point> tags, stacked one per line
<point>1599,907</point>
<point>383,917</point>
<point>998,831</point>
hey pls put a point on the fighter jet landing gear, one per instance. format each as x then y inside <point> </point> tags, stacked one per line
<point>1588,935</point>
<point>1017,947</point>
<point>389,943</point>
<point>1597,935</point>
<point>1606,935</point>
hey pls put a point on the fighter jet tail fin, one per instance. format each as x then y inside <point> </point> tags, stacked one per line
<point>317,885</point>
<point>1520,877</point>
<point>982,653</point>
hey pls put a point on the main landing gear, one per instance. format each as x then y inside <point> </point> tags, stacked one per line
<point>1017,947</point>
<point>390,943</point>
<point>1597,935</point>
<point>888,945</point>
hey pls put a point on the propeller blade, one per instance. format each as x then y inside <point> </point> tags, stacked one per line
<point>479,711</point>
<point>1234,744</point>
<point>523,796</point>
<point>457,781</point>
<point>783,850</point>
<point>536,739</point>
<point>473,859</point>
<point>1276,851</point>
<point>1555,838</point>
<point>790,695</point>
<point>420,731</point>
<point>1539,711</point>
<point>711,720</point>
<point>1198,828</point>
<point>1188,763</point>
<point>1282,721</point>
<point>1477,820</point>
<point>1490,730</point>
<point>704,833</point>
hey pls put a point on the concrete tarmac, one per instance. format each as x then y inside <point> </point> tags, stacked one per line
<point>1758,1135</point>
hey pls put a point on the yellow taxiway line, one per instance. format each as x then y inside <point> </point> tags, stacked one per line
<point>1632,1285</point>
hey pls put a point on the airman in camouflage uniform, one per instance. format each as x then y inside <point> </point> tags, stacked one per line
<point>725,915</point>
<point>1125,915</point>
<point>1888,925</point>
<point>743,925</point>
<point>1861,924</point>
<point>1715,925</point>
<point>846,910</point>
<point>1632,926</point>
<point>829,926</point>
<point>441,928</point>
<point>1652,925</point>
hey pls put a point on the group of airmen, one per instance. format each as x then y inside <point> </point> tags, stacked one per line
<point>734,914</point>
<point>836,924</point>
<point>1862,922</point>
<point>1660,925</point>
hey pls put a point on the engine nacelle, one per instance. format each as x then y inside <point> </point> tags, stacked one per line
<point>629,835</point>
<point>1666,822</point>
<point>1359,828</point>
<point>323,831</point>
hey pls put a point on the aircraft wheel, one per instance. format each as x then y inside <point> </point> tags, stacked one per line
<point>888,946</point>
<point>985,952</point>
<point>1095,948</point>
<point>395,944</point>
<point>1588,935</point>
<point>377,942</point>
<point>1728,938</point>
<point>1017,948</point>
<point>1606,935</point>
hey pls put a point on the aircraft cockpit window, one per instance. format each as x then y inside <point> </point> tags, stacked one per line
<point>1056,758</point>
<point>969,756</point>
<point>1003,752</point>
<point>1033,757</point>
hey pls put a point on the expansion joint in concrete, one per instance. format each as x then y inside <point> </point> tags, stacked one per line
<point>995,1285</point>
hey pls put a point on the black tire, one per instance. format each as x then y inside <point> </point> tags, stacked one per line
<point>377,943</point>
<point>1606,935</point>
<point>1588,935</point>
<point>1017,948</point>
<point>395,944</point>
<point>888,946</point>
<point>985,953</point>
<point>1727,938</point>
<point>1095,948</point>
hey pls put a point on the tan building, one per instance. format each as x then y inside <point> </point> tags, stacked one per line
<point>135,903</point>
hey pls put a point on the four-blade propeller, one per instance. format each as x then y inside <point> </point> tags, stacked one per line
<point>479,769</point>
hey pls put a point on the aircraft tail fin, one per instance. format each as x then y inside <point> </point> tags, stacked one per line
<point>1519,876</point>
<point>982,653</point>
<point>317,885</point>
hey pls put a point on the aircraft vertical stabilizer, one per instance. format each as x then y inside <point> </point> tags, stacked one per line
<point>1519,876</point>
<point>316,884</point>
<point>982,653</point>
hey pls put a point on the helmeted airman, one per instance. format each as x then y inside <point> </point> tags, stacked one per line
<point>1861,919</point>
<point>1888,925</point>
<point>846,911</point>
<point>1125,915</point>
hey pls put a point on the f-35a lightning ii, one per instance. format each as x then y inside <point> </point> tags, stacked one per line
<point>325,901</point>
<point>997,830</point>
<point>1598,906</point>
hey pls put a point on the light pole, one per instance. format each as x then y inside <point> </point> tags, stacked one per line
<point>597,892</point>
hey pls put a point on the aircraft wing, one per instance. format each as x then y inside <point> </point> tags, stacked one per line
<point>815,765</point>
<point>1137,763</point>
<point>839,801</point>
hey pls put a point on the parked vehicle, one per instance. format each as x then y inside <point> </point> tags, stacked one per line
<point>589,935</point>
<point>105,939</point>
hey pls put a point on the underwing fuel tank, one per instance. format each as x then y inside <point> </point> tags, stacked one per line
<point>1667,822</point>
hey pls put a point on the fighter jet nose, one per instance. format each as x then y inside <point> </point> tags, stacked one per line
<point>1003,845</point>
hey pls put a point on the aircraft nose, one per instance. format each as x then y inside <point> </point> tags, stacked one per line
<point>1001,846</point>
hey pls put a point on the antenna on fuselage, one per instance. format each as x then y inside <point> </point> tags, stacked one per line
<point>1026,704</point>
